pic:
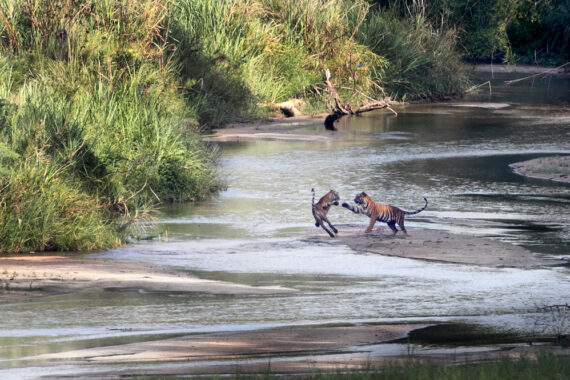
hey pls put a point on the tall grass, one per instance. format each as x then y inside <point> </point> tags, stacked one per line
<point>422,62</point>
<point>93,128</point>
<point>238,54</point>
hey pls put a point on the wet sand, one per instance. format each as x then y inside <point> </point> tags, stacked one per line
<point>274,129</point>
<point>552,168</point>
<point>302,340</point>
<point>433,245</point>
<point>292,350</point>
<point>25,277</point>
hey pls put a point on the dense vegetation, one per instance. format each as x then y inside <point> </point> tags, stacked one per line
<point>102,102</point>
<point>514,31</point>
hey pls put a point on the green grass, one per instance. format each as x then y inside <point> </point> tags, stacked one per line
<point>422,62</point>
<point>94,131</point>
<point>545,366</point>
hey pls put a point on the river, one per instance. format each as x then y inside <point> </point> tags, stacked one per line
<point>456,154</point>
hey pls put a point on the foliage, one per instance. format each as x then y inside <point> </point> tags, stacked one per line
<point>528,31</point>
<point>422,62</point>
<point>92,124</point>
<point>238,54</point>
<point>41,209</point>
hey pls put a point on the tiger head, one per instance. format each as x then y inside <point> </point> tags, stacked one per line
<point>361,198</point>
<point>333,197</point>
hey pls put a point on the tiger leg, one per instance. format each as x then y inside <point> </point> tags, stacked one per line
<point>392,225</point>
<point>327,230</point>
<point>403,228</point>
<point>330,224</point>
<point>333,228</point>
<point>371,225</point>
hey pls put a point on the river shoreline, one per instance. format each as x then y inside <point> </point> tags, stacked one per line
<point>25,277</point>
<point>555,168</point>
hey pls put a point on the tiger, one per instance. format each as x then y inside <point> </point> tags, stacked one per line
<point>321,208</point>
<point>382,213</point>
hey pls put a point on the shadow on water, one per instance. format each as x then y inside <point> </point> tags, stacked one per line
<point>461,334</point>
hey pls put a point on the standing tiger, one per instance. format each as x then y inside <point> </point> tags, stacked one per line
<point>382,213</point>
<point>321,208</point>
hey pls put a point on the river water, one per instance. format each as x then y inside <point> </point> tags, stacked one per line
<point>455,154</point>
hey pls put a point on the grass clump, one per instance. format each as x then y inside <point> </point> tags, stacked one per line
<point>422,62</point>
<point>94,131</point>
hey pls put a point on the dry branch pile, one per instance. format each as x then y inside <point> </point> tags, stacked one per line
<point>342,108</point>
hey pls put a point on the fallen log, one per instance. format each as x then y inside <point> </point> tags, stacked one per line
<point>342,108</point>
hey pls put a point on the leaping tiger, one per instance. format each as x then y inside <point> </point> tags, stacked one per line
<point>382,213</point>
<point>321,208</point>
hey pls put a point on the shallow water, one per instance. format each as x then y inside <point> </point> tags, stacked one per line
<point>456,155</point>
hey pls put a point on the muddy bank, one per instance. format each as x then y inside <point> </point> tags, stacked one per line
<point>553,168</point>
<point>289,129</point>
<point>292,350</point>
<point>36,276</point>
<point>520,69</point>
<point>315,340</point>
<point>433,245</point>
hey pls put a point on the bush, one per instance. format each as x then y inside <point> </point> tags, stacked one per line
<point>421,62</point>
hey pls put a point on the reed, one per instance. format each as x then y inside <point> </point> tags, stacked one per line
<point>96,124</point>
<point>422,62</point>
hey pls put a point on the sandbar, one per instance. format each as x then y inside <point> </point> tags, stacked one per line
<point>23,277</point>
<point>434,245</point>
<point>555,168</point>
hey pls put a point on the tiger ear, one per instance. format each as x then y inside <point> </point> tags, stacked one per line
<point>363,194</point>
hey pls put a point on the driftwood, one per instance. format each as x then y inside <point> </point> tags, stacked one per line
<point>548,71</point>
<point>342,108</point>
<point>478,86</point>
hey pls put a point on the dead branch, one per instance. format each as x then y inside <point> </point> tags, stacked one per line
<point>370,107</point>
<point>477,86</point>
<point>342,108</point>
<point>549,71</point>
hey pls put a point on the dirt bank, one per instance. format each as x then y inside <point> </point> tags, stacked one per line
<point>286,129</point>
<point>433,245</point>
<point>553,168</point>
<point>35,276</point>
<point>292,350</point>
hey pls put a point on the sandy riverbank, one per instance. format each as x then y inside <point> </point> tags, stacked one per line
<point>298,349</point>
<point>275,129</point>
<point>288,350</point>
<point>434,245</point>
<point>25,277</point>
<point>555,168</point>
